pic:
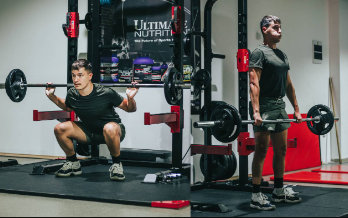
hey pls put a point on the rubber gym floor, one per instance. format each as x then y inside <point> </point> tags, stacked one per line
<point>319,200</point>
<point>22,194</point>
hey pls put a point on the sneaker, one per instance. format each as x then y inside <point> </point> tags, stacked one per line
<point>285,194</point>
<point>70,168</point>
<point>260,201</point>
<point>116,172</point>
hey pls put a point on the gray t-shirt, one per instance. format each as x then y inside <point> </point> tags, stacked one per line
<point>275,66</point>
<point>95,109</point>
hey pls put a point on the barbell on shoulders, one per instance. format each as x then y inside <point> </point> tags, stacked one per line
<point>225,121</point>
<point>16,85</point>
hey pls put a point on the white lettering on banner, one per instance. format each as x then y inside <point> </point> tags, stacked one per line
<point>154,29</point>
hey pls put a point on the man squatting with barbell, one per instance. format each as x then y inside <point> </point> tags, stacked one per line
<point>269,83</point>
<point>99,123</point>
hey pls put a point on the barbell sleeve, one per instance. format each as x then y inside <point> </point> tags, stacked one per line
<point>207,124</point>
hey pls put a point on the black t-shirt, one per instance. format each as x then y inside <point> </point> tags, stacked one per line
<point>275,66</point>
<point>95,109</point>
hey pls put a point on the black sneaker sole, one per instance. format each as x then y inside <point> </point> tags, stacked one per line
<point>117,178</point>
<point>77,173</point>
<point>261,208</point>
<point>286,201</point>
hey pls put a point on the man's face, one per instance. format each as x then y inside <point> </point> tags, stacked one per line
<point>273,32</point>
<point>81,78</point>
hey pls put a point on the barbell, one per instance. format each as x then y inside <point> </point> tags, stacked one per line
<point>225,121</point>
<point>16,85</point>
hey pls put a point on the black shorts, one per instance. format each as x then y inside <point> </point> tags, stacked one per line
<point>271,109</point>
<point>97,138</point>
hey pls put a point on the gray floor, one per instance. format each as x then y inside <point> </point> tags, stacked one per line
<point>30,206</point>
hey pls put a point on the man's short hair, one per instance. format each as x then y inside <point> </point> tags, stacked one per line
<point>266,21</point>
<point>82,63</point>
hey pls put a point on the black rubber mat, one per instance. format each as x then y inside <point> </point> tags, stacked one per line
<point>94,184</point>
<point>317,202</point>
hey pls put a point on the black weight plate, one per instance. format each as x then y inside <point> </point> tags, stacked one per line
<point>326,119</point>
<point>13,89</point>
<point>88,21</point>
<point>172,93</point>
<point>200,79</point>
<point>230,129</point>
<point>212,106</point>
<point>221,166</point>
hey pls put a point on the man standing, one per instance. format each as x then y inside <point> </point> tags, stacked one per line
<point>269,83</point>
<point>99,123</point>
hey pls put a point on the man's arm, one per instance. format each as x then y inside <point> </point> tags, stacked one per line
<point>254,78</point>
<point>290,93</point>
<point>60,102</point>
<point>129,104</point>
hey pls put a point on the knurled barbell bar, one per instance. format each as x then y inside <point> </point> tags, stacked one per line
<point>225,121</point>
<point>16,85</point>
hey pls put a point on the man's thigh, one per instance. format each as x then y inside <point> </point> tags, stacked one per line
<point>80,133</point>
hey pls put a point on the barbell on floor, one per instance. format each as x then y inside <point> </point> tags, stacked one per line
<point>225,121</point>
<point>16,85</point>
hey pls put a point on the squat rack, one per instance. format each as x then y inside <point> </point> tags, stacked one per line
<point>93,55</point>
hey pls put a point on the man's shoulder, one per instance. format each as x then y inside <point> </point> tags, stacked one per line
<point>72,92</point>
<point>258,51</point>
<point>103,89</point>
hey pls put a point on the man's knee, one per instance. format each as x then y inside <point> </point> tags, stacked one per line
<point>261,151</point>
<point>112,129</point>
<point>281,151</point>
<point>62,128</point>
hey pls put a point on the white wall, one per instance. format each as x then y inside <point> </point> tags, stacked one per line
<point>343,48</point>
<point>334,50</point>
<point>32,40</point>
<point>302,22</point>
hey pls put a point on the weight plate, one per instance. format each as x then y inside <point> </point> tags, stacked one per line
<point>221,166</point>
<point>88,21</point>
<point>12,85</point>
<point>173,93</point>
<point>230,129</point>
<point>326,119</point>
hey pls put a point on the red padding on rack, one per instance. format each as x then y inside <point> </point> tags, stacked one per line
<point>243,60</point>
<point>332,169</point>
<point>171,119</point>
<point>170,204</point>
<point>53,115</point>
<point>313,177</point>
<point>246,145</point>
<point>150,119</point>
<point>305,155</point>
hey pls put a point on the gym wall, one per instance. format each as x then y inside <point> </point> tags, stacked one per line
<point>343,102</point>
<point>302,22</point>
<point>338,71</point>
<point>33,41</point>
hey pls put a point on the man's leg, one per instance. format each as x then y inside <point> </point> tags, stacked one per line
<point>65,132</point>
<point>259,200</point>
<point>261,148</point>
<point>279,141</point>
<point>281,193</point>
<point>112,134</point>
